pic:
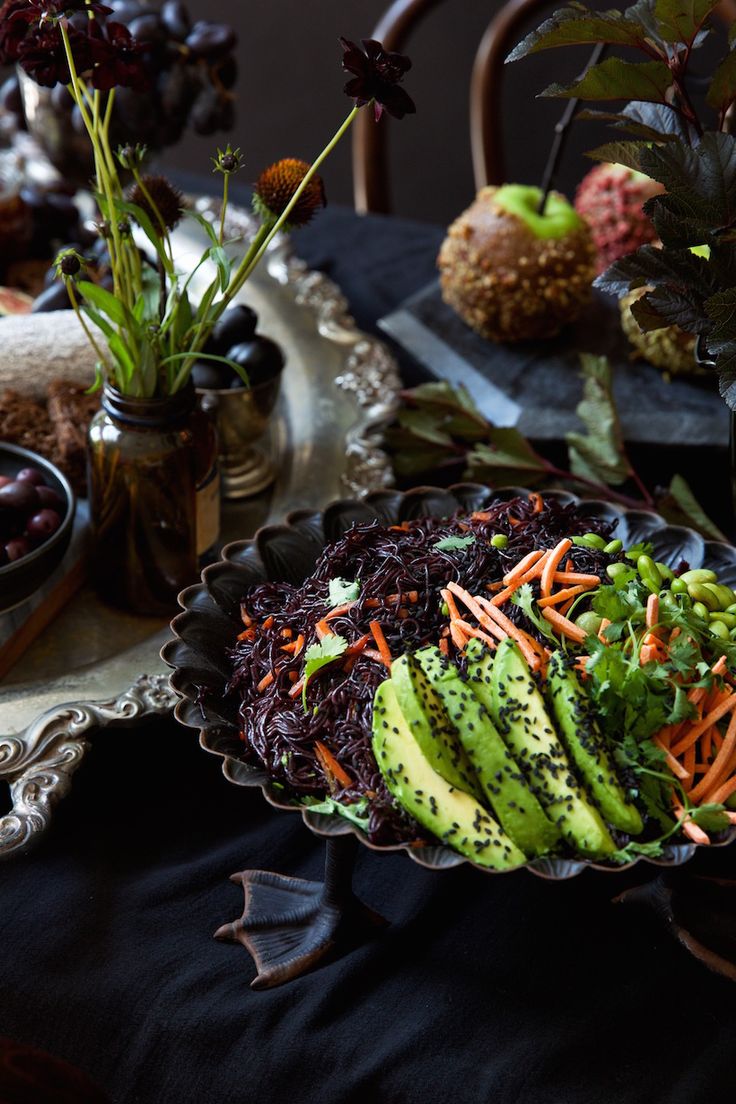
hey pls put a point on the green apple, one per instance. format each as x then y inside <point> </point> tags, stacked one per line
<point>559,219</point>
<point>701,251</point>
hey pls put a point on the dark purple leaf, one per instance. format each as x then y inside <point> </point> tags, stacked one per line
<point>616,79</point>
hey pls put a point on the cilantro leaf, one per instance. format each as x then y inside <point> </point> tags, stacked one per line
<point>318,656</point>
<point>342,591</point>
<point>357,812</point>
<point>524,599</point>
<point>450,544</point>
<point>711,818</point>
<point>599,454</point>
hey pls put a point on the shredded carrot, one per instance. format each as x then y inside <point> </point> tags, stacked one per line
<point>688,762</point>
<point>381,643</point>
<point>323,629</point>
<point>247,634</point>
<point>245,617</point>
<point>531,655</point>
<point>265,682</point>
<point>444,646</point>
<point>723,792</point>
<point>560,596</point>
<point>577,577</point>
<point>719,770</point>
<point>514,521</point>
<point>293,676</point>
<point>451,605</point>
<point>480,515</point>
<point>652,610</point>
<point>330,765</point>
<point>458,637</point>
<point>537,502</point>
<point>287,634</point>
<point>296,689</point>
<point>674,764</point>
<point>268,622</point>
<point>338,611</point>
<point>522,567</point>
<point>494,587</point>
<point>569,565</point>
<point>605,623</point>
<point>371,653</point>
<point>698,729</point>
<point>567,628</point>
<point>358,646</point>
<point>551,565</point>
<point>505,594</point>
<point>472,630</point>
<point>295,646</point>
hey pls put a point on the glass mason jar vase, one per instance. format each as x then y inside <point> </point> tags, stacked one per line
<point>154,497</point>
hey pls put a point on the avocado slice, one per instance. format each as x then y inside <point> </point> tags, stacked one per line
<point>503,783</point>
<point>519,712</point>
<point>426,717</point>
<point>453,816</point>
<point>584,742</point>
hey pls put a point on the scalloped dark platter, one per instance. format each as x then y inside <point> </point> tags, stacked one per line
<point>288,552</point>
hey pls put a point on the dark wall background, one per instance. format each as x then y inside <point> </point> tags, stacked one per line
<point>290,99</point>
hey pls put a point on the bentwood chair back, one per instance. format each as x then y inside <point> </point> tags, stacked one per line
<point>370,142</point>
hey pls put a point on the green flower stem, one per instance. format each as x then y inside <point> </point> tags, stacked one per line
<point>83,323</point>
<point>165,239</point>
<point>225,197</point>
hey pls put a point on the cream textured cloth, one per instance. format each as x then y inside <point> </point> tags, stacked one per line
<point>36,348</point>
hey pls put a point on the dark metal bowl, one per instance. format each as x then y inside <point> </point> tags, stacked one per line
<point>18,580</point>
<point>211,621</point>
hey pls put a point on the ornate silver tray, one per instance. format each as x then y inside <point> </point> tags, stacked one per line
<point>95,667</point>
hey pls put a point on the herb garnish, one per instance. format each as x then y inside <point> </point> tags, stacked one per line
<point>450,544</point>
<point>318,656</point>
<point>357,812</point>
<point>341,591</point>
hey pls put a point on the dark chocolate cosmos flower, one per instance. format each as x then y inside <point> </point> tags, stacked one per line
<point>43,57</point>
<point>276,186</point>
<point>118,58</point>
<point>377,76</point>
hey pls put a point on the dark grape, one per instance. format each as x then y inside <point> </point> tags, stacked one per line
<point>227,113</point>
<point>30,475</point>
<point>211,376</point>
<point>17,548</point>
<point>205,116</point>
<point>178,89</point>
<point>53,298</point>
<point>175,18</point>
<point>211,40</point>
<point>148,28</point>
<point>18,496</point>
<point>125,10</point>
<point>43,524</point>
<point>236,325</point>
<point>227,72</point>
<point>49,496</point>
<point>262,359</point>
<point>10,97</point>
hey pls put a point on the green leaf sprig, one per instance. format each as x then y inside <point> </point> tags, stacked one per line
<point>320,655</point>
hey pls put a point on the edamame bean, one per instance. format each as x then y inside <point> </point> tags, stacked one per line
<point>700,593</point>
<point>614,570</point>
<point>613,547</point>
<point>589,540</point>
<point>665,571</point>
<point>699,575</point>
<point>727,619</point>
<point>701,610</point>
<point>731,608</point>
<point>719,629</point>
<point>679,586</point>
<point>722,593</point>
<point>649,573</point>
<point>589,621</point>
<point>499,540</point>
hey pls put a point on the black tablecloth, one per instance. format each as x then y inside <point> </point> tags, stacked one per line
<point>508,990</point>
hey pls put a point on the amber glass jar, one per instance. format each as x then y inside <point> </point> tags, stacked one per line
<point>154,498</point>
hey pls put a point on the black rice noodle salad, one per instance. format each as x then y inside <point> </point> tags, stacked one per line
<point>374,594</point>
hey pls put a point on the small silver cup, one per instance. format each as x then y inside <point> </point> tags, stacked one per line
<point>243,417</point>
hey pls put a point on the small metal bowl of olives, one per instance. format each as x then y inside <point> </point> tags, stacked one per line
<point>37,507</point>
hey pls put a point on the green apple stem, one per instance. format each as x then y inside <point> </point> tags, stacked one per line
<point>562,131</point>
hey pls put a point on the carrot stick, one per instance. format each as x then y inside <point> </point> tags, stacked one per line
<point>287,634</point>
<point>524,565</point>
<point>330,765</point>
<point>323,629</point>
<point>247,634</point>
<point>552,563</point>
<point>296,689</point>
<point>537,502</point>
<point>569,564</point>
<point>719,769</point>
<point>472,630</point>
<point>358,646</point>
<point>295,646</point>
<point>602,630</point>
<point>560,596</point>
<point>674,764</point>
<point>339,610</point>
<point>577,577</point>
<point>265,682</point>
<point>458,637</point>
<point>372,653</point>
<point>505,594</point>
<point>723,792</point>
<point>444,646</point>
<point>480,515</point>
<point>451,605</point>
<point>381,643</point>
<point>688,762</point>
<point>652,610</point>
<point>268,622</point>
<point>698,729</point>
<point>567,628</point>
<point>522,639</point>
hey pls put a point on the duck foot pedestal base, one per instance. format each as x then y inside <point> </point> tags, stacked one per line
<point>289,924</point>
